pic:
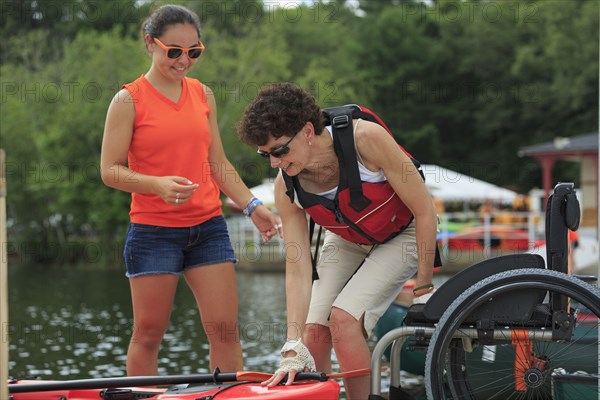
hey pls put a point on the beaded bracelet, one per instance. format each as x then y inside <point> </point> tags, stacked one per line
<point>252,204</point>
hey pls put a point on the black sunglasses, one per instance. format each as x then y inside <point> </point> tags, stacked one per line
<point>278,151</point>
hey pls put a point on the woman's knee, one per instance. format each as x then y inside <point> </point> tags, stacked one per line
<point>316,335</point>
<point>341,322</point>
<point>148,332</point>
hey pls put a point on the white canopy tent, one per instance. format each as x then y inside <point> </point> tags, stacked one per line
<point>450,185</point>
<point>443,183</point>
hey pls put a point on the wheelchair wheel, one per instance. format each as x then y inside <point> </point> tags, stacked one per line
<point>474,355</point>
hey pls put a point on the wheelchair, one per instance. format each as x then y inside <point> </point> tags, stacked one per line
<point>509,327</point>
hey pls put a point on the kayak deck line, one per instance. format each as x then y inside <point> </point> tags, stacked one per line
<point>239,385</point>
<point>305,390</point>
<point>215,378</point>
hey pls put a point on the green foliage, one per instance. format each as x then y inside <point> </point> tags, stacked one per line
<point>461,84</point>
<point>396,64</point>
<point>62,20</point>
<point>52,131</point>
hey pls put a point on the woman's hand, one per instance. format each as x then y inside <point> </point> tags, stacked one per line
<point>174,190</point>
<point>297,359</point>
<point>267,223</point>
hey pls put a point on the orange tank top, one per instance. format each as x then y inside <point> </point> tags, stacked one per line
<point>172,139</point>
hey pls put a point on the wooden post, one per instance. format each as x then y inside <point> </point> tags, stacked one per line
<point>3,285</point>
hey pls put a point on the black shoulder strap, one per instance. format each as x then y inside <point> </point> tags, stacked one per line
<point>343,139</point>
<point>314,257</point>
<point>289,185</point>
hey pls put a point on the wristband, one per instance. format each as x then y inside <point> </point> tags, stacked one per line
<point>252,204</point>
<point>428,287</point>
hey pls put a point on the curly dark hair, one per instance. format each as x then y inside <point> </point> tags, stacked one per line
<point>280,109</point>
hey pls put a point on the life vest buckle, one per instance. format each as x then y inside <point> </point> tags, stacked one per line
<point>340,121</point>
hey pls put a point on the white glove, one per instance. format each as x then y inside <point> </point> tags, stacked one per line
<point>302,360</point>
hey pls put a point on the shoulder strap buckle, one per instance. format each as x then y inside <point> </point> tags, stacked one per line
<point>340,121</point>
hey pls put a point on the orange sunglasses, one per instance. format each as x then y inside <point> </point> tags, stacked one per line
<point>176,52</point>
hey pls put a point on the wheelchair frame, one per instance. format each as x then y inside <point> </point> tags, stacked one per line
<point>488,303</point>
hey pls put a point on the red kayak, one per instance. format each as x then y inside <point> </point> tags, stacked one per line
<point>307,390</point>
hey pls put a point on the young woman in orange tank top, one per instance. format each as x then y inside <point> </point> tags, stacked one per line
<point>162,144</point>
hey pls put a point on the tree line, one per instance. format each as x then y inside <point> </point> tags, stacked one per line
<point>462,84</point>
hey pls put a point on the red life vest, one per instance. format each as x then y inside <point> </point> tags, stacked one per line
<point>361,212</point>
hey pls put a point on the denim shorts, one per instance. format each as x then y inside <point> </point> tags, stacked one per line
<point>153,249</point>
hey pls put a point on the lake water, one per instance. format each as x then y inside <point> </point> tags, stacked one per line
<point>75,323</point>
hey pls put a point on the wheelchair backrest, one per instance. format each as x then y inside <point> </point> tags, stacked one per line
<point>562,214</point>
